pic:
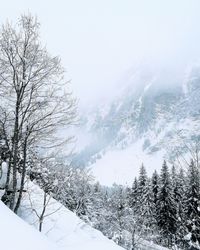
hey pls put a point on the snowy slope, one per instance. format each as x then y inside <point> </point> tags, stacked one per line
<point>121,166</point>
<point>62,229</point>
<point>65,229</point>
<point>18,235</point>
<point>62,226</point>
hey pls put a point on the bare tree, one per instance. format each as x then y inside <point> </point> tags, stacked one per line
<point>34,97</point>
<point>46,203</point>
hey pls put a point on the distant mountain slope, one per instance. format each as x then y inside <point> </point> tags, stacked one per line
<point>155,114</point>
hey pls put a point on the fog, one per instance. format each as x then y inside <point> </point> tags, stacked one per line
<point>100,41</point>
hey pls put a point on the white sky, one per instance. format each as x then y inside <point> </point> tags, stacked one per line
<point>98,40</point>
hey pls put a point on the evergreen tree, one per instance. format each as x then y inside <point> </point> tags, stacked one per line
<point>133,196</point>
<point>180,199</point>
<point>141,190</point>
<point>142,180</point>
<point>142,177</point>
<point>155,190</point>
<point>145,207</point>
<point>155,187</point>
<point>193,204</point>
<point>116,214</point>
<point>178,191</point>
<point>147,211</point>
<point>166,207</point>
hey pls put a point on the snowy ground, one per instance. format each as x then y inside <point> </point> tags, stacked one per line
<point>65,229</point>
<point>62,229</point>
<point>18,235</point>
<point>122,166</point>
<point>62,226</point>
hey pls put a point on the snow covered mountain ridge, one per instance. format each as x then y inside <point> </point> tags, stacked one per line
<point>150,119</point>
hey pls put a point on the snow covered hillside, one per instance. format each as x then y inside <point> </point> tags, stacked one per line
<point>18,235</point>
<point>151,119</point>
<point>62,226</point>
<point>121,166</point>
<point>62,229</point>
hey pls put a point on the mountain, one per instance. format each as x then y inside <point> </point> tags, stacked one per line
<point>152,118</point>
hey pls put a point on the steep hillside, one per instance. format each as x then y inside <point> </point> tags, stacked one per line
<point>62,229</point>
<point>18,235</point>
<point>61,225</point>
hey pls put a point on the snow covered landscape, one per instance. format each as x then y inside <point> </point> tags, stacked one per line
<point>62,228</point>
<point>33,239</point>
<point>100,125</point>
<point>144,126</point>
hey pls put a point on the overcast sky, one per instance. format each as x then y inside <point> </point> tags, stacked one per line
<point>98,41</point>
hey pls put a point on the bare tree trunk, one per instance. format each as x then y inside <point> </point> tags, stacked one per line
<point>43,212</point>
<point>8,174</point>
<point>15,155</point>
<point>4,198</point>
<point>133,240</point>
<point>22,177</point>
